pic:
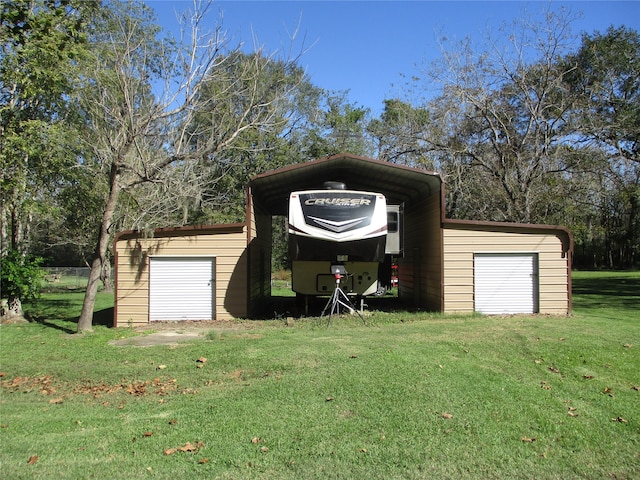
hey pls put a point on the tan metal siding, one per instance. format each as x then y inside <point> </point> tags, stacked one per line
<point>419,270</point>
<point>461,243</point>
<point>259,286</point>
<point>132,296</point>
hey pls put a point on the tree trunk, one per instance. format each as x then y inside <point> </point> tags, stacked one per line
<point>106,279</point>
<point>11,311</point>
<point>5,240</point>
<point>85,322</point>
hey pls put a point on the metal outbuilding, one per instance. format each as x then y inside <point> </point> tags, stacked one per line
<point>224,271</point>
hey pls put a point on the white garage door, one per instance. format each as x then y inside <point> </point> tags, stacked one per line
<point>506,283</point>
<point>181,288</point>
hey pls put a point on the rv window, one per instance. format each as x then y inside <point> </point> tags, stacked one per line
<point>392,222</point>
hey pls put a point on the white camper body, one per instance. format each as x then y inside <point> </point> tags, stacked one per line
<point>336,226</point>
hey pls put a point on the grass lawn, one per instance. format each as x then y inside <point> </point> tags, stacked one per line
<point>409,395</point>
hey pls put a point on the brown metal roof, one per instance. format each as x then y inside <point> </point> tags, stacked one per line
<point>398,183</point>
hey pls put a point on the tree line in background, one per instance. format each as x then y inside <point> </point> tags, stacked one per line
<point>108,123</point>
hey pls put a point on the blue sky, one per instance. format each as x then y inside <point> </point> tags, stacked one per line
<point>371,47</point>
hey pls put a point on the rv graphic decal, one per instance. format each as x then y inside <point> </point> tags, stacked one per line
<point>340,202</point>
<point>338,226</point>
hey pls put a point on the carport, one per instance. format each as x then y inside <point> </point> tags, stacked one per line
<point>419,193</point>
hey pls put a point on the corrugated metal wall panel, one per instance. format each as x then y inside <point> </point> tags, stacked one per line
<point>421,265</point>
<point>506,283</point>
<point>181,288</point>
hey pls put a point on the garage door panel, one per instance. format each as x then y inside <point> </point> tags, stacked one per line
<point>505,283</point>
<point>181,288</point>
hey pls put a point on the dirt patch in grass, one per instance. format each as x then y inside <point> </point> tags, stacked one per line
<point>173,333</point>
<point>199,325</point>
<point>159,338</point>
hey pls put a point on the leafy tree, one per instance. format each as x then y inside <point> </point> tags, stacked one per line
<point>42,41</point>
<point>336,126</point>
<point>399,134</point>
<point>347,126</point>
<point>220,179</point>
<point>605,77</point>
<point>500,123</point>
<point>20,277</point>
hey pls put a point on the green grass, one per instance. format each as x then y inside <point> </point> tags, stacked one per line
<point>409,395</point>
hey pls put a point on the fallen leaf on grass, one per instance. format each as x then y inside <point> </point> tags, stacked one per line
<point>636,388</point>
<point>201,360</point>
<point>202,461</point>
<point>187,447</point>
<point>587,377</point>
<point>329,399</point>
<point>528,440</point>
<point>554,369</point>
<point>48,391</point>
<point>33,459</point>
<point>627,345</point>
<point>447,415</point>
<point>255,440</point>
<point>619,419</point>
<point>572,412</point>
<point>264,449</point>
<point>147,434</point>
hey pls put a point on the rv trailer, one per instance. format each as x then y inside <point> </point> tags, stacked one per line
<point>336,226</point>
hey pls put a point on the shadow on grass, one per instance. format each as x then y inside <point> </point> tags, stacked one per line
<point>47,309</point>
<point>283,307</point>
<point>610,291</point>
